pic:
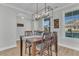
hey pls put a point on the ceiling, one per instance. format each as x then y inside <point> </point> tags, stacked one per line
<point>32,7</point>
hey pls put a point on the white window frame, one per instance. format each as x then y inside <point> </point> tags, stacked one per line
<point>65,11</point>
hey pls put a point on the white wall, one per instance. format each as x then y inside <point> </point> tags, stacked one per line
<point>27,25</point>
<point>8,27</point>
<point>38,25</point>
<point>62,40</point>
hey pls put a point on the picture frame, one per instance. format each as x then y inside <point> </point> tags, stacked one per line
<point>56,23</point>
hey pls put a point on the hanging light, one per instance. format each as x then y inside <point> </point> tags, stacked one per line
<point>36,15</point>
<point>43,14</point>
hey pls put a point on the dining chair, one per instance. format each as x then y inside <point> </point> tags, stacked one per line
<point>28,33</point>
<point>43,47</point>
<point>54,43</point>
<point>28,44</point>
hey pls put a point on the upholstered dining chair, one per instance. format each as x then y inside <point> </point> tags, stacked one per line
<point>43,47</point>
<point>28,44</point>
<point>54,43</point>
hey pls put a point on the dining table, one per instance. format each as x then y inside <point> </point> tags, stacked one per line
<point>33,39</point>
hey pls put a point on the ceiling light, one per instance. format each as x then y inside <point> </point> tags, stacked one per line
<point>43,13</point>
<point>22,17</point>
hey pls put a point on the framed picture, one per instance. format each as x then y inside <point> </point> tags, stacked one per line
<point>56,23</point>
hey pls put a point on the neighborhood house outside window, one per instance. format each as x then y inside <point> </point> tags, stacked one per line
<point>72,24</point>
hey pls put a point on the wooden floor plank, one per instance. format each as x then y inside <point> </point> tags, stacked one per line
<point>62,51</point>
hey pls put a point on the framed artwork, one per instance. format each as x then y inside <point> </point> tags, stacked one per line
<point>56,23</point>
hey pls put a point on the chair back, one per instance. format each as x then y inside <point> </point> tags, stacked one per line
<point>28,33</point>
<point>54,37</point>
<point>46,36</point>
<point>46,39</point>
<point>49,38</point>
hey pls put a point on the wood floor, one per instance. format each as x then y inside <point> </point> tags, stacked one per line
<point>62,51</point>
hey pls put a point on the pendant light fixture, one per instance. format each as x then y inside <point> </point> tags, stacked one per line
<point>36,11</point>
<point>42,13</point>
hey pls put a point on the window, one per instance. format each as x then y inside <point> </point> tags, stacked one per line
<point>47,24</point>
<point>72,24</point>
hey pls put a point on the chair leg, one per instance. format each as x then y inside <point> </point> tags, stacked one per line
<point>29,51</point>
<point>50,50</point>
<point>41,53</point>
<point>25,48</point>
<point>56,49</point>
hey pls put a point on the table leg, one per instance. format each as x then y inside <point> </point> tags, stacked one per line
<point>33,49</point>
<point>29,51</point>
<point>21,45</point>
<point>56,48</point>
<point>51,50</point>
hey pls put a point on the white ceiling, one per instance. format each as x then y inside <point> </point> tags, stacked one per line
<point>31,7</point>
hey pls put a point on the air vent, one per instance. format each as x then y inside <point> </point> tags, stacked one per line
<point>20,25</point>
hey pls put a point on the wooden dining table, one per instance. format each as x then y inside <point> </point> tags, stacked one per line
<point>33,39</point>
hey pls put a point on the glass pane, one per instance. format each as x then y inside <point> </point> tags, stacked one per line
<point>76,12</point>
<point>47,24</point>
<point>72,24</point>
<point>68,14</point>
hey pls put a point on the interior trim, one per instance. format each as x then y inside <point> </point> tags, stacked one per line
<point>64,6</point>
<point>67,46</point>
<point>1,49</point>
<point>19,9</point>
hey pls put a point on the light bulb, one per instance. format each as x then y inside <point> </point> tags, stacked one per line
<point>22,17</point>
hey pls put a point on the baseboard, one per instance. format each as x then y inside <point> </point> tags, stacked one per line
<point>67,46</point>
<point>18,39</point>
<point>1,49</point>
